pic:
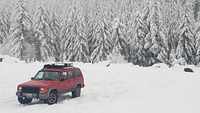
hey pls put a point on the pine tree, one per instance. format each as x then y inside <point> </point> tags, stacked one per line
<point>90,38</point>
<point>144,49</point>
<point>75,43</point>
<point>44,35</point>
<point>169,26</point>
<point>19,28</point>
<point>5,24</point>
<point>64,31</point>
<point>102,42</point>
<point>196,9</point>
<point>89,29</point>
<point>119,39</point>
<point>157,35</point>
<point>78,46</point>
<point>138,52</point>
<point>186,46</point>
<point>197,45</point>
<point>56,38</point>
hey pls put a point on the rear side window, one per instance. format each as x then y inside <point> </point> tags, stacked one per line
<point>76,73</point>
<point>70,74</point>
<point>67,75</point>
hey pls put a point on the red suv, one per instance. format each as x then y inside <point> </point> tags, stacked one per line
<point>51,81</point>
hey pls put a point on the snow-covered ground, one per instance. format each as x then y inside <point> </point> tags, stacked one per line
<point>119,88</point>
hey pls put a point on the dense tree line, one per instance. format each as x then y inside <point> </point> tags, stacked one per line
<point>143,32</point>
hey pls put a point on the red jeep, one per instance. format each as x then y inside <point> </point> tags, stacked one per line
<point>51,81</point>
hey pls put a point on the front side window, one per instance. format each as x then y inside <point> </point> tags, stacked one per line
<point>47,75</point>
<point>39,75</point>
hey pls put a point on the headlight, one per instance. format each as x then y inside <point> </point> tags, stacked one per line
<point>19,88</point>
<point>43,90</point>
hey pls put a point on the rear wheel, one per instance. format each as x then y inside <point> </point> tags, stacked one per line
<point>76,92</point>
<point>52,99</point>
<point>24,100</point>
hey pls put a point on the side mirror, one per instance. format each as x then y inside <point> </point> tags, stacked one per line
<point>32,78</point>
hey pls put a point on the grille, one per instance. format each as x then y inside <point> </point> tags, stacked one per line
<point>30,90</point>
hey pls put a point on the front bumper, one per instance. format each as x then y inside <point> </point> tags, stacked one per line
<point>32,95</point>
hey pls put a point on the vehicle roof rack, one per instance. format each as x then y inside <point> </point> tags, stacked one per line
<point>58,65</point>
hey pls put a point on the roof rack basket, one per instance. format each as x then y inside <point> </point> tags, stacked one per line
<point>58,65</point>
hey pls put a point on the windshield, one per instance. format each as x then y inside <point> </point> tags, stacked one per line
<point>47,75</point>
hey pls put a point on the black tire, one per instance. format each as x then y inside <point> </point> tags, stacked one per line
<point>53,98</point>
<point>76,92</point>
<point>24,100</point>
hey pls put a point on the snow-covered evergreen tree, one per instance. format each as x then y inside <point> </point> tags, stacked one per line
<point>157,36</point>
<point>170,24</point>
<point>5,24</point>
<point>146,32</point>
<point>197,46</point>
<point>146,45</point>
<point>64,31</point>
<point>55,25</point>
<point>17,36</point>
<point>186,46</point>
<point>75,43</point>
<point>102,42</point>
<point>90,33</point>
<point>43,34</point>
<point>119,39</point>
<point>196,9</point>
<point>138,51</point>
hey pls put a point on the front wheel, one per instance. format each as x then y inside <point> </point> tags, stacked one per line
<point>24,100</point>
<point>52,99</point>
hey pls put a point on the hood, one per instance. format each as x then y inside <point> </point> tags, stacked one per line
<point>36,83</point>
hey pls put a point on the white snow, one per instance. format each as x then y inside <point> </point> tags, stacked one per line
<point>119,88</point>
<point>8,59</point>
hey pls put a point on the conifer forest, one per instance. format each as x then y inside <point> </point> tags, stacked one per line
<point>142,32</point>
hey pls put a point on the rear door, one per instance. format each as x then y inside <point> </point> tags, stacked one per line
<point>65,84</point>
<point>68,82</point>
<point>70,79</point>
